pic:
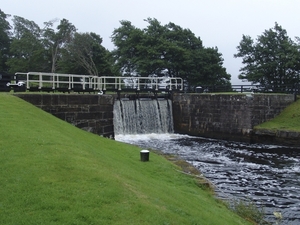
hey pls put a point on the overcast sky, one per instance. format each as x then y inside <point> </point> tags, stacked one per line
<point>219,23</point>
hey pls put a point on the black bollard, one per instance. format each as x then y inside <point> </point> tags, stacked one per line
<point>144,155</point>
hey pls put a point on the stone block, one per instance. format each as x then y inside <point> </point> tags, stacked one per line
<point>35,99</point>
<point>105,100</point>
<point>61,100</point>
<point>212,114</point>
<point>87,116</point>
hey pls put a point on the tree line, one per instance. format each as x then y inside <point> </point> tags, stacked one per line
<point>272,60</point>
<point>157,50</point>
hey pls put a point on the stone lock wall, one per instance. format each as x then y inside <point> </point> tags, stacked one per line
<point>220,116</point>
<point>93,113</point>
<point>229,117</point>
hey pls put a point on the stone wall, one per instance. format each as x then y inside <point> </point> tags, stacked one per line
<point>93,113</point>
<point>229,117</point>
<point>220,116</point>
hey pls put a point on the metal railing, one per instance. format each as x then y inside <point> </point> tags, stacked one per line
<point>39,81</point>
<point>286,89</point>
<point>55,81</point>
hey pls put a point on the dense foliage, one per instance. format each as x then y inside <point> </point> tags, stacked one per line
<point>157,50</point>
<point>167,50</point>
<point>272,61</point>
<point>4,40</point>
<point>27,47</point>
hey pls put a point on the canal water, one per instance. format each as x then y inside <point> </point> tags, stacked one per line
<point>266,175</point>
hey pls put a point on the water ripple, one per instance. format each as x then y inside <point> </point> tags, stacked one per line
<point>268,175</point>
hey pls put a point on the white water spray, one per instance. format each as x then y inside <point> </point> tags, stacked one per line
<point>143,116</point>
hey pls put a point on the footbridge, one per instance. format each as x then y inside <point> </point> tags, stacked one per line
<point>51,82</point>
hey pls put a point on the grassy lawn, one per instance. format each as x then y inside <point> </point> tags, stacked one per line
<point>289,119</point>
<point>54,173</point>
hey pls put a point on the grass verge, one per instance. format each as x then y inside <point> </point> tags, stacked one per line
<point>54,173</point>
<point>289,119</point>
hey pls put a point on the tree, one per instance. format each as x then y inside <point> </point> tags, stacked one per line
<point>54,41</point>
<point>26,49</point>
<point>192,61</point>
<point>207,68</point>
<point>152,50</point>
<point>272,61</point>
<point>4,41</point>
<point>128,40</point>
<point>87,51</point>
<point>166,50</point>
<point>30,48</point>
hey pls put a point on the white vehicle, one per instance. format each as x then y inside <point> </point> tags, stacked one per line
<point>20,84</point>
<point>164,83</point>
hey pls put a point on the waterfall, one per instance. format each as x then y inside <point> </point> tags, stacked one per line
<point>143,116</point>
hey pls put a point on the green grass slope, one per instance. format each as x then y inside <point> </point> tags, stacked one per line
<point>53,173</point>
<point>289,119</point>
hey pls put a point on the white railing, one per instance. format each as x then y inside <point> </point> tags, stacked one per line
<point>55,81</point>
